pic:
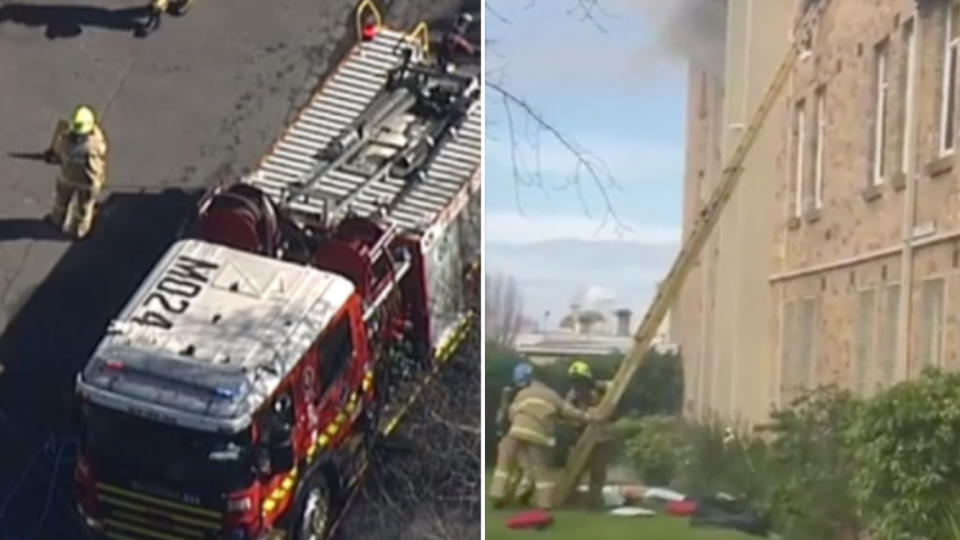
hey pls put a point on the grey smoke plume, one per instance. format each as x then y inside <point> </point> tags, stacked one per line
<point>691,30</point>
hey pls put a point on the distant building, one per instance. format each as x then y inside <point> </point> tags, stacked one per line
<point>590,334</point>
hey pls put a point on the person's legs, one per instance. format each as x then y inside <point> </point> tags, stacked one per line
<point>506,464</point>
<point>536,457</point>
<point>598,473</point>
<point>85,211</point>
<point>63,192</point>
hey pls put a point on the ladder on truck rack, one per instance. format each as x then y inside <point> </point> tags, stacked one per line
<point>671,286</point>
<point>372,106</point>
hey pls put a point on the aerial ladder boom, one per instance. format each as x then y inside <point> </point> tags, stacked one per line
<point>673,283</point>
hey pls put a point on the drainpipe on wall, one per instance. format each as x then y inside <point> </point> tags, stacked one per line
<point>784,247</point>
<point>909,209</point>
<point>737,357</point>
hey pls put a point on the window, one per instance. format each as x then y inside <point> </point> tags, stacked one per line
<point>863,347</point>
<point>336,349</point>
<point>799,137</point>
<point>806,329</point>
<point>948,97</point>
<point>931,322</point>
<point>906,91</point>
<point>881,90</point>
<point>787,350</point>
<point>888,338</point>
<point>819,131</point>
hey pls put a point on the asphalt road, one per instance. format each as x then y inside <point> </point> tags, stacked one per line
<point>198,101</point>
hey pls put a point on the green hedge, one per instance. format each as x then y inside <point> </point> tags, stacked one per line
<point>831,465</point>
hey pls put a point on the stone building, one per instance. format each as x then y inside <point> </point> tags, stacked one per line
<point>849,194</point>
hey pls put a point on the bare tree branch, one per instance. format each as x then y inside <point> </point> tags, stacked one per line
<point>586,167</point>
<point>425,481</point>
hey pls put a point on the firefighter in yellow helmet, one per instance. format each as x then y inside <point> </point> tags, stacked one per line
<point>158,8</point>
<point>80,148</point>
<point>586,392</point>
<point>532,415</point>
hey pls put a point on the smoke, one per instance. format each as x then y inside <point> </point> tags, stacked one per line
<point>686,30</point>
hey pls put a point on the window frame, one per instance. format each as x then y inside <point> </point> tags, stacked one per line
<point>948,93</point>
<point>890,335</point>
<point>799,114</point>
<point>909,38</point>
<point>881,88</point>
<point>819,141</point>
<point>865,338</point>
<point>932,338</point>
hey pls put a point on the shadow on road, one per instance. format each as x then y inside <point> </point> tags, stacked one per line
<point>67,21</point>
<point>52,336</point>
<point>28,229</point>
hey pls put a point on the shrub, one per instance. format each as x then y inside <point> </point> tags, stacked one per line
<point>655,451</point>
<point>907,471</point>
<point>711,465</point>
<point>811,467</point>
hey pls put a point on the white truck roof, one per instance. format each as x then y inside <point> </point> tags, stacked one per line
<point>210,334</point>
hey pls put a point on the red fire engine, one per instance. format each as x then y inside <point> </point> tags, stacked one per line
<point>238,391</point>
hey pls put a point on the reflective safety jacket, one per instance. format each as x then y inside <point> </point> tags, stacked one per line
<point>506,398</point>
<point>83,159</point>
<point>591,398</point>
<point>534,412</point>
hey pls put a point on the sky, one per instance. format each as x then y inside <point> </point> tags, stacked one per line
<point>608,89</point>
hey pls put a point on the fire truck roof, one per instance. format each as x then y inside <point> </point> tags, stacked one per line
<point>210,334</point>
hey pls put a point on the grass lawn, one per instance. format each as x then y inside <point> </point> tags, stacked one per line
<point>573,525</point>
<point>583,525</point>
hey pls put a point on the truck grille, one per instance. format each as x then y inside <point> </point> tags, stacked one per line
<point>129,515</point>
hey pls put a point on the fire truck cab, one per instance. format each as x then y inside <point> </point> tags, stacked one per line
<point>217,395</point>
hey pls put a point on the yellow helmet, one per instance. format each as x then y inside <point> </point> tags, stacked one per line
<point>579,368</point>
<point>83,120</point>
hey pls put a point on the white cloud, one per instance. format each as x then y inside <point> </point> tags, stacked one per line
<point>552,274</point>
<point>513,228</point>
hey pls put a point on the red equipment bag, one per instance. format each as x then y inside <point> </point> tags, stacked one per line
<point>681,508</point>
<point>531,519</point>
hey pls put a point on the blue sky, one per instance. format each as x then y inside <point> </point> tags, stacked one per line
<point>617,95</point>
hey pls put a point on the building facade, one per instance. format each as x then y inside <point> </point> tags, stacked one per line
<point>854,280</point>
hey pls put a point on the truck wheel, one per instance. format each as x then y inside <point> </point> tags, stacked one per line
<point>316,508</point>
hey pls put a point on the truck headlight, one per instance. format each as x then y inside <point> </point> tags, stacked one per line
<point>239,505</point>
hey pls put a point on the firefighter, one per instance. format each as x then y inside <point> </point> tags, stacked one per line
<point>157,8</point>
<point>80,148</point>
<point>520,480</point>
<point>586,392</point>
<point>532,415</point>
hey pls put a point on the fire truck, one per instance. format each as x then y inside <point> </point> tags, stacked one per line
<point>300,311</point>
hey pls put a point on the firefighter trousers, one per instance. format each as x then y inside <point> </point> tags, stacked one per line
<point>597,472</point>
<point>74,206</point>
<point>514,458</point>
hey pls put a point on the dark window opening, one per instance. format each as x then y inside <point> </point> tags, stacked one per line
<point>336,349</point>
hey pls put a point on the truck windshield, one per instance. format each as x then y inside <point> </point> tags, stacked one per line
<point>134,449</point>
